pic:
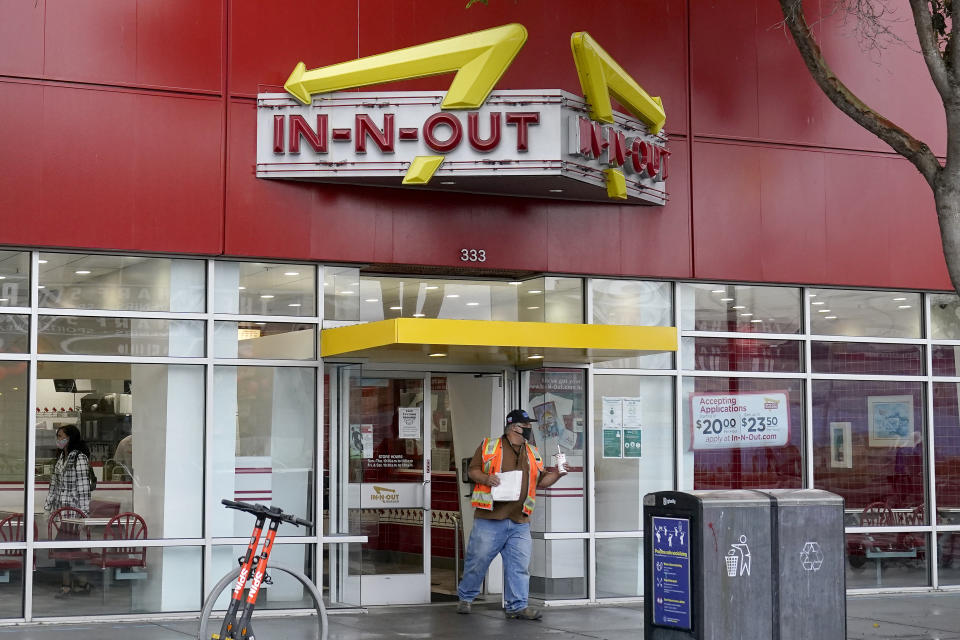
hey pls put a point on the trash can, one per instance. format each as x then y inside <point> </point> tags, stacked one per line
<point>744,564</point>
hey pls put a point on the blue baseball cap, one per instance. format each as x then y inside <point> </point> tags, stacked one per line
<point>519,415</point>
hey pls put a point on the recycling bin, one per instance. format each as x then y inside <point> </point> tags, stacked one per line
<point>744,564</point>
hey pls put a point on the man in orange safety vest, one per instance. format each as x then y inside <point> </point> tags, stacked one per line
<point>503,526</point>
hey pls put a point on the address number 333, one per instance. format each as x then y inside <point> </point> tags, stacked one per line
<point>473,255</point>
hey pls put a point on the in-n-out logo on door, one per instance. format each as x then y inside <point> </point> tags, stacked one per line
<point>543,143</point>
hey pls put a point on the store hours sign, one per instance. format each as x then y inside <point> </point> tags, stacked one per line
<point>736,420</point>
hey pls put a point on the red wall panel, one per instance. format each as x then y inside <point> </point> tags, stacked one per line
<point>21,38</point>
<point>267,39</point>
<point>149,43</point>
<point>111,169</point>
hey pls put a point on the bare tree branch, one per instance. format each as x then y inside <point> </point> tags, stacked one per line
<point>916,151</point>
<point>930,48</point>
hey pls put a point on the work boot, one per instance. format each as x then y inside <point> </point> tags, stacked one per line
<point>463,607</point>
<point>524,614</point>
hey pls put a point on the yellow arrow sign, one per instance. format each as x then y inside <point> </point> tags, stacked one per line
<point>479,59</point>
<point>601,77</point>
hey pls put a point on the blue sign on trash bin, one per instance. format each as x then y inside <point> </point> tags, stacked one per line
<point>671,572</point>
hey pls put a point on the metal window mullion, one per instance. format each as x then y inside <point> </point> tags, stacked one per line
<point>206,576</point>
<point>117,313</point>
<point>823,338</point>
<point>253,362</point>
<point>320,433</point>
<point>810,480</point>
<point>635,372</point>
<point>241,317</point>
<point>615,535</point>
<point>90,358</point>
<point>16,357</point>
<point>30,498</point>
<point>863,377</point>
<point>930,450</point>
<point>678,394</point>
<point>737,335</point>
<point>590,486</point>
<point>792,375</point>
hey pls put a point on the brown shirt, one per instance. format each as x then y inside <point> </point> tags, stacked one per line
<point>511,461</point>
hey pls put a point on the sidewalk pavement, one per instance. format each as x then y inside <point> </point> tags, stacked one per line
<point>927,616</point>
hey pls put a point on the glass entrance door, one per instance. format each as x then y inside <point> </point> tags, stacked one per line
<point>384,487</point>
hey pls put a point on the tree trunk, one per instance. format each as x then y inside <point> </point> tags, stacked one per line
<point>946,194</point>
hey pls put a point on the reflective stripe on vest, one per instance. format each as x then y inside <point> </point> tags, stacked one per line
<point>492,454</point>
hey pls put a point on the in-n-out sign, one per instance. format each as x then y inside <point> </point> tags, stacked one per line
<point>542,143</point>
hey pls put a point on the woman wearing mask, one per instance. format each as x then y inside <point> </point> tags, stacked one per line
<point>70,487</point>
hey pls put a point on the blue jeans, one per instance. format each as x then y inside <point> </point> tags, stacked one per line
<point>512,541</point>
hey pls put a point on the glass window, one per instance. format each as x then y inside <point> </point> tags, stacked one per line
<point>887,560</point>
<point>143,427</point>
<point>638,303</point>
<point>946,429</point>
<point>948,548</point>
<point>868,447</point>
<point>742,354</point>
<point>265,289</point>
<point>619,567</point>
<point>14,279</point>
<point>558,569</point>
<point>13,443</point>
<point>944,316</point>
<point>728,307</point>
<point>633,429</point>
<point>264,443</point>
<point>284,591</point>
<point>881,314</point>
<point>867,358</point>
<point>743,433</point>
<point>137,580</point>
<point>557,398</point>
<point>946,360</point>
<point>101,336</point>
<point>547,299</point>
<point>266,340</point>
<point>14,333</point>
<point>121,283</point>
<point>342,293</point>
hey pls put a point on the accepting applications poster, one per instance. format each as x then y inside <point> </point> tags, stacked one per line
<point>736,420</point>
<point>671,572</point>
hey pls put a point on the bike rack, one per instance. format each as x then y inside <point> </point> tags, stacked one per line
<point>231,578</point>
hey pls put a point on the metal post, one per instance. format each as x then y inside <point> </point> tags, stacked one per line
<point>456,551</point>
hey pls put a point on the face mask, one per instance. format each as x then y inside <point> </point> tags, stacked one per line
<point>526,432</point>
<point>61,443</point>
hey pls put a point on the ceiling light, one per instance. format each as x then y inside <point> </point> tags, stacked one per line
<point>419,315</point>
<point>372,300</point>
<point>453,295</point>
<point>266,296</point>
<point>726,299</point>
<point>81,272</point>
<point>348,292</point>
<point>3,277</point>
<point>535,357</point>
<point>829,317</point>
<point>326,284</point>
<point>532,308</point>
<point>719,291</point>
<point>903,306</point>
<point>438,355</point>
<point>556,190</point>
<point>4,299</point>
<point>41,287</point>
<point>757,320</point>
<point>516,283</point>
<point>260,323</point>
<point>818,302</point>
<point>395,308</point>
<point>747,315</point>
<point>533,291</point>
<point>811,295</point>
<point>241,288</point>
<point>448,182</point>
<point>294,304</point>
<point>473,304</point>
<point>739,306</point>
<point>431,287</point>
<point>899,299</point>
<point>42,261</point>
<point>291,273</point>
<point>823,310</point>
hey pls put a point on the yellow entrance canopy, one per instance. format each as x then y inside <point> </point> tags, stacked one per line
<point>426,340</point>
